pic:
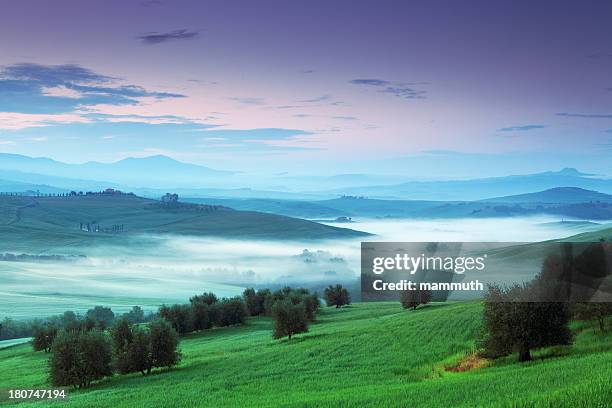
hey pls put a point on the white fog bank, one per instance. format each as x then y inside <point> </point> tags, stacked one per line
<point>177,267</point>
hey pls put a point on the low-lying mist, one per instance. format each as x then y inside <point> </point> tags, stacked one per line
<point>173,268</point>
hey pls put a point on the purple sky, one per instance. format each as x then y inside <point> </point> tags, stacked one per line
<point>312,86</point>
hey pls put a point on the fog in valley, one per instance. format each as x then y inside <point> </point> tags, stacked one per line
<point>173,268</point>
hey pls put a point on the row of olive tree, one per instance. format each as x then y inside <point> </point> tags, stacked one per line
<point>98,316</point>
<point>138,349</point>
<point>203,312</point>
<point>43,332</point>
<point>83,356</point>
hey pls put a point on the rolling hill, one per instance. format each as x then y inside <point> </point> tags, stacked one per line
<point>483,188</point>
<point>368,354</point>
<point>557,195</point>
<point>568,202</point>
<point>43,221</point>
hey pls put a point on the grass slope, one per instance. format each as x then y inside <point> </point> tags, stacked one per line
<point>373,354</point>
<point>34,221</point>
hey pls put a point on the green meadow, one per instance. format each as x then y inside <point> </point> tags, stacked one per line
<point>367,354</point>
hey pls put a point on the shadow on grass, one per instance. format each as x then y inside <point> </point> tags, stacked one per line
<point>299,338</point>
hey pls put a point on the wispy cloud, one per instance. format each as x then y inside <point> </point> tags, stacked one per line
<point>521,128</point>
<point>400,89</point>
<point>321,98</point>
<point>52,75</point>
<point>58,89</point>
<point>372,82</point>
<point>249,101</point>
<point>345,117</point>
<point>149,119</point>
<point>158,38</point>
<point>13,121</point>
<point>39,139</point>
<point>586,115</point>
<point>404,92</point>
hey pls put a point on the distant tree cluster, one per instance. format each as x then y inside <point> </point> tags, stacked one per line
<point>136,349</point>
<point>98,316</point>
<point>292,309</point>
<point>83,356</point>
<point>411,299</point>
<point>203,312</point>
<point>337,296</point>
<point>79,358</point>
<point>170,200</point>
<point>90,347</point>
<point>258,302</point>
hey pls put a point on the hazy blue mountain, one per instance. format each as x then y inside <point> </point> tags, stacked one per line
<point>153,176</point>
<point>146,171</point>
<point>58,183</point>
<point>478,189</point>
<point>10,186</point>
<point>558,195</point>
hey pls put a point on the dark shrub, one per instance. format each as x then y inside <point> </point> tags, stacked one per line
<point>254,302</point>
<point>121,338</point>
<point>310,301</point>
<point>79,358</point>
<point>164,343</point>
<point>597,311</point>
<point>201,315</point>
<point>43,338</point>
<point>103,317</point>
<point>230,311</point>
<point>179,316</point>
<point>207,297</point>
<point>513,323</point>
<point>135,315</point>
<point>414,298</point>
<point>337,296</point>
<point>289,318</point>
<point>138,355</point>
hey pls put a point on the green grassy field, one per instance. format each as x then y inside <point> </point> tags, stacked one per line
<point>369,354</point>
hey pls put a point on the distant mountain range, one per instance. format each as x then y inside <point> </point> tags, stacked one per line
<point>147,171</point>
<point>153,176</point>
<point>478,189</point>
